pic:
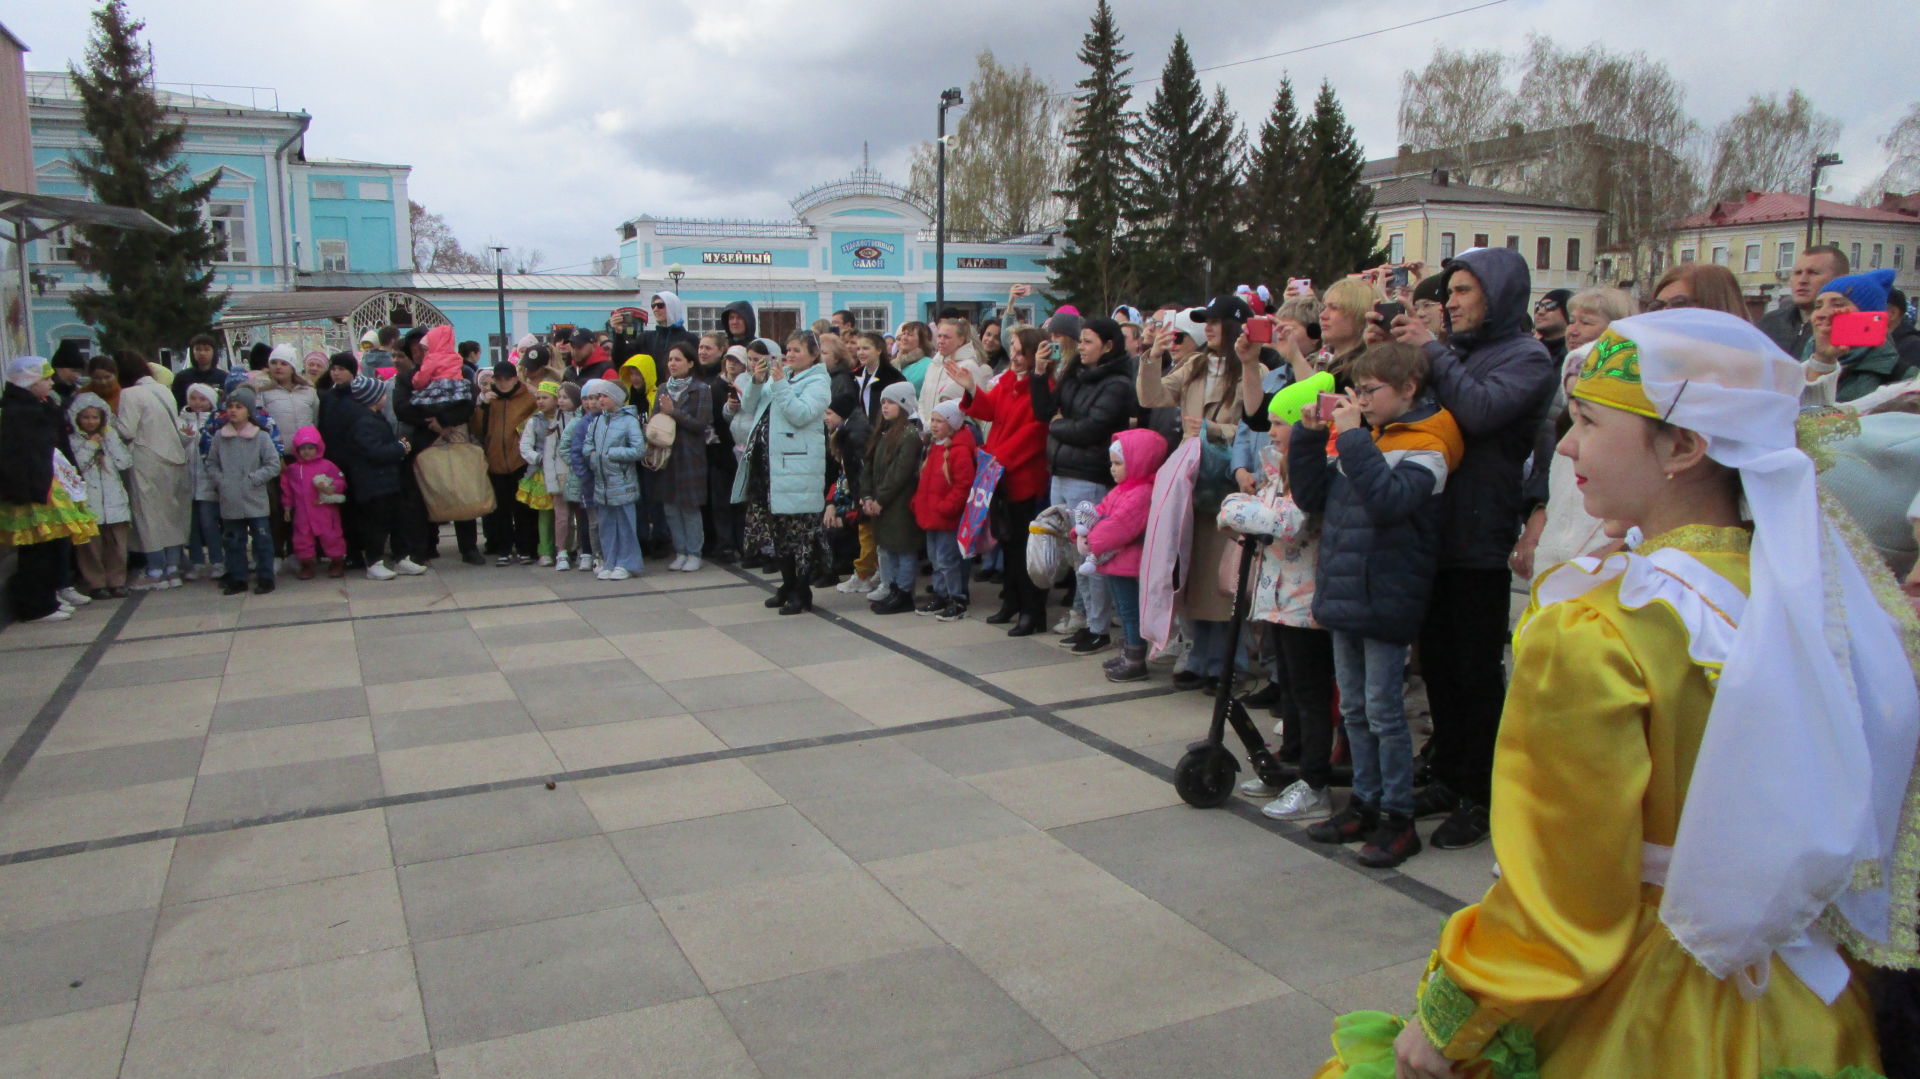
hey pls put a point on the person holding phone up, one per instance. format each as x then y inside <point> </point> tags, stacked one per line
<point>1841,366</point>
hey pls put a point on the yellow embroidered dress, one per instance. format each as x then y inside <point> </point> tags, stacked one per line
<point>1565,960</point>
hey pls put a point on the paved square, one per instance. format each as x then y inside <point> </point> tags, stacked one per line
<point>309,835</point>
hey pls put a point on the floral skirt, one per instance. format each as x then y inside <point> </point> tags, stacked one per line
<point>790,535</point>
<point>533,491</point>
<point>59,517</point>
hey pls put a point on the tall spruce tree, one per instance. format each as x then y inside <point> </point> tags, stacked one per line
<point>1341,234</point>
<point>1184,217</point>
<point>158,287</point>
<point>1094,272</point>
<point>1274,193</point>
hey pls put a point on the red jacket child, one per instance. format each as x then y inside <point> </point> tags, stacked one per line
<point>946,478</point>
<point>301,492</point>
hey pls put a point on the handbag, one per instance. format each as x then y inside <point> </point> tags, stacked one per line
<point>661,430</point>
<point>452,474</point>
<point>1214,482</point>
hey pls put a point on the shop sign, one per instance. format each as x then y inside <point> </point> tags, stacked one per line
<point>737,258</point>
<point>980,264</point>
<point>868,254</point>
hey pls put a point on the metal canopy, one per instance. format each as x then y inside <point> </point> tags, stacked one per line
<point>36,216</point>
<point>351,312</point>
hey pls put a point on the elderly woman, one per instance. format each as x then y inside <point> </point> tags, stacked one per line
<point>160,488</point>
<point>782,480</point>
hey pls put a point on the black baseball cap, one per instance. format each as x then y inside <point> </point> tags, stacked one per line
<point>582,336</point>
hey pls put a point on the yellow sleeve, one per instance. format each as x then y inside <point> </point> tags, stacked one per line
<point>1569,776</point>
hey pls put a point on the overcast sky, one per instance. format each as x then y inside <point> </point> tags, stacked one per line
<point>545,123</point>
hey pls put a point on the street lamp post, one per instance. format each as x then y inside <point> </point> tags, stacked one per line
<point>676,272</point>
<point>500,294</point>
<point>948,99</point>
<point>1813,189</point>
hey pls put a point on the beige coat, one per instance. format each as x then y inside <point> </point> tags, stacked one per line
<point>938,387</point>
<point>1185,387</point>
<point>158,484</point>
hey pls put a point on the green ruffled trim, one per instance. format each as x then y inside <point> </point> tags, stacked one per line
<point>1363,1043</point>
<point>1445,1008</point>
<point>1851,1071</point>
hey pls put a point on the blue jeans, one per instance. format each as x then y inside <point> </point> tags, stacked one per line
<point>206,540</point>
<point>1373,707</point>
<point>683,524</point>
<point>1209,656</point>
<point>1126,606</point>
<point>949,569</point>
<point>899,568</point>
<point>237,531</point>
<point>1089,596</point>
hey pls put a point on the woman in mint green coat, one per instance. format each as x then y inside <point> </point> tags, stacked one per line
<point>783,477</point>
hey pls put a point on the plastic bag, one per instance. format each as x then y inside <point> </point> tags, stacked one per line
<point>452,474</point>
<point>1048,554</point>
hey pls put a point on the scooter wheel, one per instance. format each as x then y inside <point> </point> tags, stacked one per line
<point>1204,777</point>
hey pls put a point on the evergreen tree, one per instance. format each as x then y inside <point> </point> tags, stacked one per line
<point>1274,192</point>
<point>1341,235</point>
<point>1094,272</point>
<point>158,287</point>
<point>1184,216</point>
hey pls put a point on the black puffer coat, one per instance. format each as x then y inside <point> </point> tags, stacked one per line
<point>1083,412</point>
<point>363,444</point>
<point>31,431</point>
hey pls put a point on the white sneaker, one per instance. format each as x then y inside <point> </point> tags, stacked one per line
<point>56,616</point>
<point>561,564</point>
<point>73,597</point>
<point>407,567</point>
<point>147,583</point>
<point>602,574</point>
<point>618,573</point>
<point>679,563</point>
<point>880,591</point>
<point>67,607</point>
<point>855,584</point>
<point>693,564</point>
<point>1071,622</point>
<point>217,571</point>
<point>586,562</point>
<point>1298,802</point>
<point>174,581</point>
<point>378,571</point>
<point>1257,788</point>
<point>545,560</point>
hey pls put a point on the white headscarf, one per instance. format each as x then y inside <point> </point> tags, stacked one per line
<point>1798,798</point>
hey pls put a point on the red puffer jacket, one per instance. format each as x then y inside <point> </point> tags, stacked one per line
<point>1016,439</point>
<point>945,479</point>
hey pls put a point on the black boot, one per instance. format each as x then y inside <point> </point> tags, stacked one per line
<point>787,585</point>
<point>800,600</point>
<point>1027,625</point>
<point>1005,614</point>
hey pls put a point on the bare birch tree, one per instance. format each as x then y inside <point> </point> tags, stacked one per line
<point>1458,99</point>
<point>1769,146</point>
<point>1902,174</point>
<point>1006,157</point>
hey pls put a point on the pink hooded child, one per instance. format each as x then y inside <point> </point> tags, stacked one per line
<point>312,488</point>
<point>1120,526</point>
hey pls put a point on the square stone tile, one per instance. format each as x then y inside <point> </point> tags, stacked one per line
<point>503,623</point>
<point>1249,1040</point>
<point>792,643</point>
<point>423,655</point>
<point>686,1039</point>
<point>725,657</point>
<point>926,1013</point>
<point>313,706</point>
<point>249,859</point>
<point>889,690</point>
<point>459,764</point>
<point>637,614</point>
<point>734,614</point>
<point>1053,683</point>
<point>213,940</point>
<point>155,672</point>
<point>130,715</point>
<point>734,690</point>
<point>315,1020</point>
<point>418,1066</point>
<point>93,770</point>
<point>603,671</point>
<point>450,827</point>
<point>500,591</point>
<point>329,739</point>
<point>725,851</point>
<point>890,822</point>
<point>73,966</point>
<point>526,977</point>
<point>76,886</point>
<point>77,1045</point>
<point>297,676</point>
<point>456,723</point>
<point>413,624</point>
<point>994,746</point>
<point>768,929</point>
<point>1148,721</point>
<point>207,620</point>
<point>198,644</point>
<point>634,740</point>
<point>46,822</point>
<point>782,721</point>
<point>670,794</point>
<point>260,792</point>
<point>1041,921</point>
<point>1061,1067</point>
<point>256,650</point>
<point>1012,653</point>
<point>1389,989</point>
<point>846,769</point>
<point>438,692</point>
<point>688,644</point>
<point>499,888</point>
<point>552,655</point>
<point>1075,791</point>
<point>588,703</point>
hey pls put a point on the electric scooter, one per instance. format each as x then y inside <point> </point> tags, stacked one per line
<point>1205,777</point>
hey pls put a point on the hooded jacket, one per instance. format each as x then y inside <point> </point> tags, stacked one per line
<point>796,438</point>
<point>1862,370</point>
<point>190,375</point>
<point>101,462</point>
<point>1083,411</point>
<point>297,489</point>
<point>654,343</point>
<point>890,477</point>
<point>497,424</point>
<point>363,444</point>
<point>1497,382</point>
<point>745,310</point>
<point>945,480</point>
<point>1382,504</point>
<point>240,464</point>
<point>638,376</point>
<point>1120,526</point>
<point>611,451</point>
<point>442,360</point>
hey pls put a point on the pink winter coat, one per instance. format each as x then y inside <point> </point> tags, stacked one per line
<point>297,489</point>
<point>1120,527</point>
<point>1169,543</point>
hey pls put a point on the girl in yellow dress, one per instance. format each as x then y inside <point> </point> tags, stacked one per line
<point>1702,806</point>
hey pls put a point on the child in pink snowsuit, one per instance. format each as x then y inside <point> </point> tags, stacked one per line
<point>312,488</point>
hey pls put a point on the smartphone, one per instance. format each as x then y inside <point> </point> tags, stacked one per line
<point>1399,277</point>
<point>1860,329</point>
<point>1388,312</point>
<point>1329,402</point>
<point>1260,330</point>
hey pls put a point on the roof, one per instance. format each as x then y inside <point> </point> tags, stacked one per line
<point>17,43</point>
<point>1514,143</point>
<point>350,161</point>
<point>271,308</point>
<point>477,282</point>
<point>1767,207</point>
<point>58,85</point>
<point>42,214</point>
<point>1418,189</point>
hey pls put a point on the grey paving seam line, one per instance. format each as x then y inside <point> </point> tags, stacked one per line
<point>383,617</point>
<point>29,741</point>
<point>1418,891</point>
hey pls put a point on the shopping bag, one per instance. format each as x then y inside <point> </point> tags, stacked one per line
<point>452,474</point>
<point>975,537</point>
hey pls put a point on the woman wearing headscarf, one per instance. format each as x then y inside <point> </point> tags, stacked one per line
<point>782,480</point>
<point>161,490</point>
<point>1701,795</point>
<point>38,514</point>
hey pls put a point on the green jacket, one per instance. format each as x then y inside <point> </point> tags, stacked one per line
<point>892,473</point>
<point>1862,370</point>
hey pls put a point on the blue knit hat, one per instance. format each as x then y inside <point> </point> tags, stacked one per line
<point>1868,290</point>
<point>366,390</point>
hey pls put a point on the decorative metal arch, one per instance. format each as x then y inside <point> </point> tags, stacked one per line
<point>338,317</point>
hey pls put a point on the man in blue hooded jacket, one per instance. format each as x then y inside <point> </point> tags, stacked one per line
<point>1496,379</point>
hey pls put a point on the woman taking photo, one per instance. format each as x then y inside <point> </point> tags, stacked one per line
<point>1018,441</point>
<point>782,480</point>
<point>161,491</point>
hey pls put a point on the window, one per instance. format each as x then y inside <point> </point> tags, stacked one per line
<point>1853,256</point>
<point>869,318</point>
<point>1687,254</point>
<point>60,245</point>
<point>1446,245</point>
<point>333,256</point>
<point>1493,178</point>
<point>329,189</point>
<point>1513,243</point>
<point>705,318</point>
<point>1606,269</point>
<point>1543,253</point>
<point>1480,239</point>
<point>373,191</point>
<point>1573,254</point>
<point>1659,261</point>
<point>229,219</point>
<point>1899,255</point>
<point>1783,260</point>
<point>1719,255</point>
<point>496,348</point>
<point>1396,247</point>
<point>1753,258</point>
<point>1017,315</point>
<point>1877,252</point>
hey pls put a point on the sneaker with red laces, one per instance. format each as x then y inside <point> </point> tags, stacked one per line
<point>1393,842</point>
